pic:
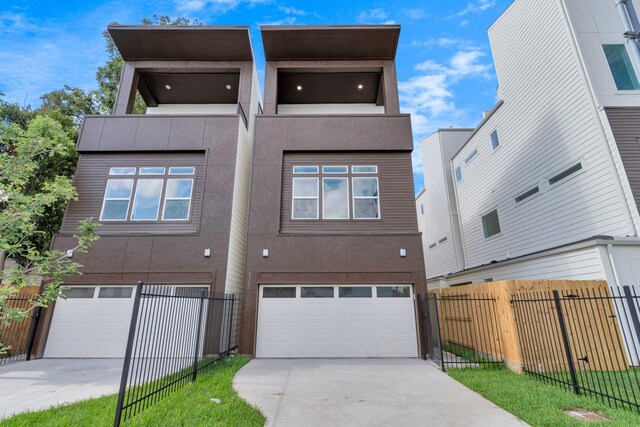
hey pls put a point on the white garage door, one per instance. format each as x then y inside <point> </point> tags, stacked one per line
<point>336,321</point>
<point>92,322</point>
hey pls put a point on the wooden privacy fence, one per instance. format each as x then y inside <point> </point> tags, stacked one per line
<point>502,327</point>
<point>16,335</point>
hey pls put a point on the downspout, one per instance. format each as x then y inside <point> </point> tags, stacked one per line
<point>631,26</point>
<point>613,264</point>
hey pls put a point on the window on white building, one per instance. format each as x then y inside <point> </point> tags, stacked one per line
<point>491,224</point>
<point>621,67</point>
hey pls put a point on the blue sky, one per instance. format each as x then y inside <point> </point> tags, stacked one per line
<point>444,66</point>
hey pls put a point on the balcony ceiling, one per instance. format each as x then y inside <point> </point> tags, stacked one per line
<point>204,43</point>
<point>329,88</point>
<point>330,42</point>
<point>189,88</point>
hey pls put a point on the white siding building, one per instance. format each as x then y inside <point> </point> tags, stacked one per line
<point>544,187</point>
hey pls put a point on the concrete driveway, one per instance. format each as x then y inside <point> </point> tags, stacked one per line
<point>363,392</point>
<point>40,384</point>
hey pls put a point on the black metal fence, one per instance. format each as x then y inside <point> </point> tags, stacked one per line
<point>462,330</point>
<point>586,340</point>
<point>18,336</point>
<point>175,334</point>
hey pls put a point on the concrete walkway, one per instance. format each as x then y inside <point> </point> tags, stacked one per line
<point>43,383</point>
<point>363,392</point>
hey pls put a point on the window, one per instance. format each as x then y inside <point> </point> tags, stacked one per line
<point>564,174</point>
<point>177,199</point>
<point>488,279</point>
<point>527,194</point>
<point>444,239</point>
<point>152,191</point>
<point>355,292</point>
<point>422,208</point>
<point>393,292</point>
<point>78,292</point>
<point>495,142</point>
<point>116,200</point>
<point>279,292</point>
<point>335,198</point>
<point>621,68</point>
<point>433,245</point>
<point>458,174</point>
<point>471,156</point>
<point>316,292</point>
<point>115,292</point>
<point>305,198</point>
<point>339,197</point>
<point>491,224</point>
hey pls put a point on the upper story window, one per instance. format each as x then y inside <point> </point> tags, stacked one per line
<point>491,224</point>
<point>495,141</point>
<point>621,67</point>
<point>458,174</point>
<point>148,194</point>
<point>334,193</point>
<point>471,156</point>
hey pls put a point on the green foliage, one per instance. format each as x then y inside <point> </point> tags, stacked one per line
<point>189,406</point>
<point>69,103</point>
<point>14,113</point>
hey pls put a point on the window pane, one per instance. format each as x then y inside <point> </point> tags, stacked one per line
<point>115,292</point>
<point>190,291</point>
<point>621,67</point>
<point>458,174</point>
<point>178,188</point>
<point>365,187</point>
<point>122,171</point>
<point>491,224</point>
<point>305,187</point>
<point>288,292</point>
<point>188,170</point>
<point>176,209</point>
<point>335,169</point>
<point>564,174</point>
<point>316,292</point>
<point>335,198</point>
<point>527,194</point>
<point>305,209</point>
<point>147,199</point>
<point>115,210</point>
<point>364,169</point>
<point>152,171</point>
<point>495,142</point>
<point>393,292</point>
<point>365,208</point>
<point>471,156</point>
<point>305,169</point>
<point>355,292</point>
<point>76,292</point>
<point>119,189</point>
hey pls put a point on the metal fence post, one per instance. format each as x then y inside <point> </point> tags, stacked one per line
<point>632,309</point>
<point>127,355</point>
<point>195,356</point>
<point>233,300</point>
<point>437,319</point>
<point>32,332</point>
<point>565,341</point>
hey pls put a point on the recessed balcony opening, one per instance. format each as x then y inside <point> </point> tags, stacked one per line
<point>190,93</point>
<point>323,92</point>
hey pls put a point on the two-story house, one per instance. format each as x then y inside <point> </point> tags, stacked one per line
<point>547,185</point>
<point>334,257</point>
<point>169,188</point>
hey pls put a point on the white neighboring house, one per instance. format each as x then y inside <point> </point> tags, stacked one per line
<point>548,184</point>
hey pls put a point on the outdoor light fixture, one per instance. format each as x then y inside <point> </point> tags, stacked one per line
<point>265,253</point>
<point>299,87</point>
<point>168,87</point>
<point>403,252</point>
<point>69,253</point>
<point>207,252</point>
<point>360,86</point>
<point>229,87</point>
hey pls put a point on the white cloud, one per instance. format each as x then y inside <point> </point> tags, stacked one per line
<point>289,20</point>
<point>441,42</point>
<point>414,13</point>
<point>11,22</point>
<point>464,23</point>
<point>477,7</point>
<point>292,11</point>
<point>374,16</point>
<point>219,6</point>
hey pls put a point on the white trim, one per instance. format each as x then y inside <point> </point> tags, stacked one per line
<point>375,169</point>
<point>293,170</point>
<point>317,197</point>
<point>323,198</point>
<point>164,204</point>
<point>105,199</point>
<point>377,198</point>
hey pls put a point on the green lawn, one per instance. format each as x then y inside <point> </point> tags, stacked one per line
<point>536,402</point>
<point>189,406</point>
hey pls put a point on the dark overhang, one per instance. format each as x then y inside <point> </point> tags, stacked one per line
<point>169,42</point>
<point>301,42</point>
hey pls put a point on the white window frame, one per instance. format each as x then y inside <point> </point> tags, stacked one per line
<point>317,171</point>
<point>145,173</point>
<point>317,197</point>
<point>323,198</point>
<point>455,173</point>
<point>190,199</point>
<point>324,172</point>
<point>193,170</point>
<point>354,197</point>
<point>135,199</point>
<point>495,131</point>
<point>112,171</point>
<point>374,171</point>
<point>105,199</point>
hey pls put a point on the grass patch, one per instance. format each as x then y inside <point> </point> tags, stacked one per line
<point>536,402</point>
<point>189,406</point>
<point>468,354</point>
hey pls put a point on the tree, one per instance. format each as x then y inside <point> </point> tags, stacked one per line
<point>69,103</point>
<point>27,190</point>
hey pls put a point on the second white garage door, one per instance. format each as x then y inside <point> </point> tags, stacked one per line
<point>336,321</point>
